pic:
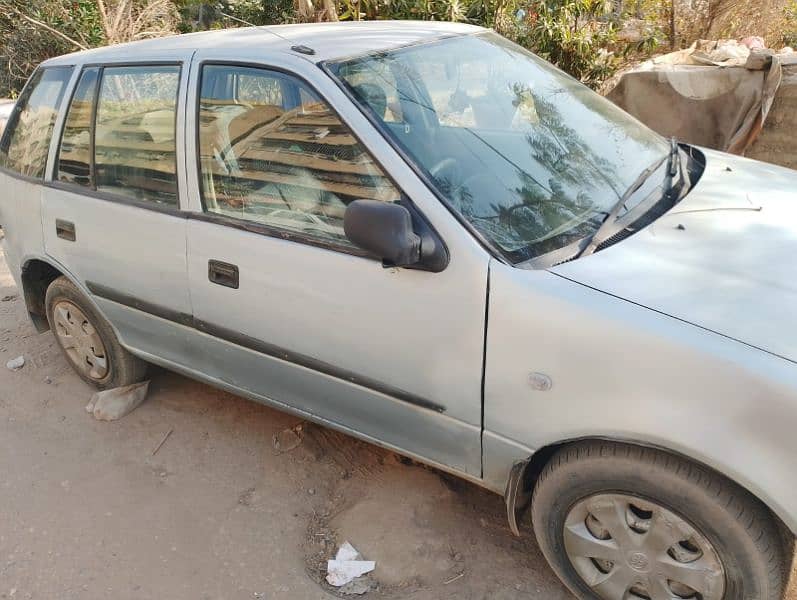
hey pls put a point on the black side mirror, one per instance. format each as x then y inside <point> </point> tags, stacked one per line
<point>384,229</point>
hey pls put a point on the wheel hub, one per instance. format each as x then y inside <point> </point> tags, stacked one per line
<point>639,562</point>
<point>80,340</point>
<point>627,548</point>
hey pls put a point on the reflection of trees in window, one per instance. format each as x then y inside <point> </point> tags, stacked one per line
<point>554,200</point>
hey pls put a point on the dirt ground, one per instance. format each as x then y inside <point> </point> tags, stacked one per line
<point>87,511</point>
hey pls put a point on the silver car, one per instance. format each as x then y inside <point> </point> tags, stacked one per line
<point>491,269</point>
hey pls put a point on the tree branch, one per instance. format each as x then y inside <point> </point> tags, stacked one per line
<point>50,29</point>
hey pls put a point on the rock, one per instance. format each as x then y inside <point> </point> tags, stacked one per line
<point>759,60</point>
<point>48,380</point>
<point>110,405</point>
<point>15,364</point>
<point>288,439</point>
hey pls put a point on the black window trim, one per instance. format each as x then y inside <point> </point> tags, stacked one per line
<point>92,191</point>
<point>275,232</point>
<point>16,174</point>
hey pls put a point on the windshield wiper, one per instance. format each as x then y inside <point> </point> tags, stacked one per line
<point>605,230</point>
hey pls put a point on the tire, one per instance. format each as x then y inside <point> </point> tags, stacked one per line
<point>638,492</point>
<point>106,364</point>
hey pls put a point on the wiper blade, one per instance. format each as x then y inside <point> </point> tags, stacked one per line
<point>602,233</point>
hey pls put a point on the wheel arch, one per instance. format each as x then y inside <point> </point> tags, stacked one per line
<point>36,276</point>
<point>525,473</point>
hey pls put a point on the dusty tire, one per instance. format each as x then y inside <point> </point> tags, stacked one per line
<point>97,356</point>
<point>724,522</point>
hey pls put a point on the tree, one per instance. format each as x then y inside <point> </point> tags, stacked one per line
<point>321,10</point>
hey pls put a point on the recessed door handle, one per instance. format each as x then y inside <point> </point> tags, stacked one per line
<point>222,273</point>
<point>65,230</point>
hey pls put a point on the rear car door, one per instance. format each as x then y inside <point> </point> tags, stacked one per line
<point>111,215</point>
<point>296,314</point>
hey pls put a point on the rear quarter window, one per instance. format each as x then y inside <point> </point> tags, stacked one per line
<point>26,140</point>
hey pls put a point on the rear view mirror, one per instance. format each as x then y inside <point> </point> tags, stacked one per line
<point>384,229</point>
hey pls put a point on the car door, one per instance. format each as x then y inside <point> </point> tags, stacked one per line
<point>111,215</point>
<point>296,314</point>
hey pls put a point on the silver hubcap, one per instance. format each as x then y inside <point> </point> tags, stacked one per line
<point>80,340</point>
<point>626,548</point>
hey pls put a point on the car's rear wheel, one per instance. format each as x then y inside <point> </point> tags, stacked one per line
<point>87,339</point>
<point>619,522</point>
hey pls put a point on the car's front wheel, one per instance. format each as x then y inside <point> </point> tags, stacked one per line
<point>620,522</point>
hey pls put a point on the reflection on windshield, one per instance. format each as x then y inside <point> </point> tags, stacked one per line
<point>531,158</point>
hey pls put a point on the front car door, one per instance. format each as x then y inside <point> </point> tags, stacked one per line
<point>111,214</point>
<point>291,311</point>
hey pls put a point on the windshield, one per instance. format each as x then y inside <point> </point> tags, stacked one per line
<point>533,159</point>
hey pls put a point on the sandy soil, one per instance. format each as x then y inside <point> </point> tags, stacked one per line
<point>87,511</point>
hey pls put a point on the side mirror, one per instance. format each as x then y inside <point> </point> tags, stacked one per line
<point>384,229</point>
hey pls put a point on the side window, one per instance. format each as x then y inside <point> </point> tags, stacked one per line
<point>134,139</point>
<point>26,141</point>
<point>286,161</point>
<point>74,158</point>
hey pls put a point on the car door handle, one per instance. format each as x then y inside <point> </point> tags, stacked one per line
<point>65,230</point>
<point>222,273</point>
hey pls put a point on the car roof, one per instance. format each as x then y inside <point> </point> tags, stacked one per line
<point>328,40</point>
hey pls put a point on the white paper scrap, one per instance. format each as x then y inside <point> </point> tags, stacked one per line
<point>345,567</point>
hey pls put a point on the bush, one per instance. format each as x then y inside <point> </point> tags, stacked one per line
<point>573,34</point>
<point>25,41</point>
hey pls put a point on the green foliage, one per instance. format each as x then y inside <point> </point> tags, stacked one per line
<point>81,18</point>
<point>575,35</point>
<point>24,44</point>
<point>200,15</point>
<point>790,29</point>
<point>426,10</point>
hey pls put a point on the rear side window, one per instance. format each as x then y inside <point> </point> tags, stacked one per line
<point>74,160</point>
<point>134,139</point>
<point>26,141</point>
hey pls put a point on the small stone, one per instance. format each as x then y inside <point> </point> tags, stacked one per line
<point>48,380</point>
<point>287,439</point>
<point>15,364</point>
<point>311,491</point>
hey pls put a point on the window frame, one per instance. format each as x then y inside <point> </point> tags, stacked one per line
<point>92,190</point>
<point>275,232</point>
<point>43,180</point>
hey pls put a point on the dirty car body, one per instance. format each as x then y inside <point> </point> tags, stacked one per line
<point>529,303</point>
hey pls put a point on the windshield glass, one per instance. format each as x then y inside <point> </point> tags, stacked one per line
<point>533,159</point>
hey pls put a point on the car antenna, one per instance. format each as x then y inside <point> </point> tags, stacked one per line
<point>301,49</point>
<point>224,14</point>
